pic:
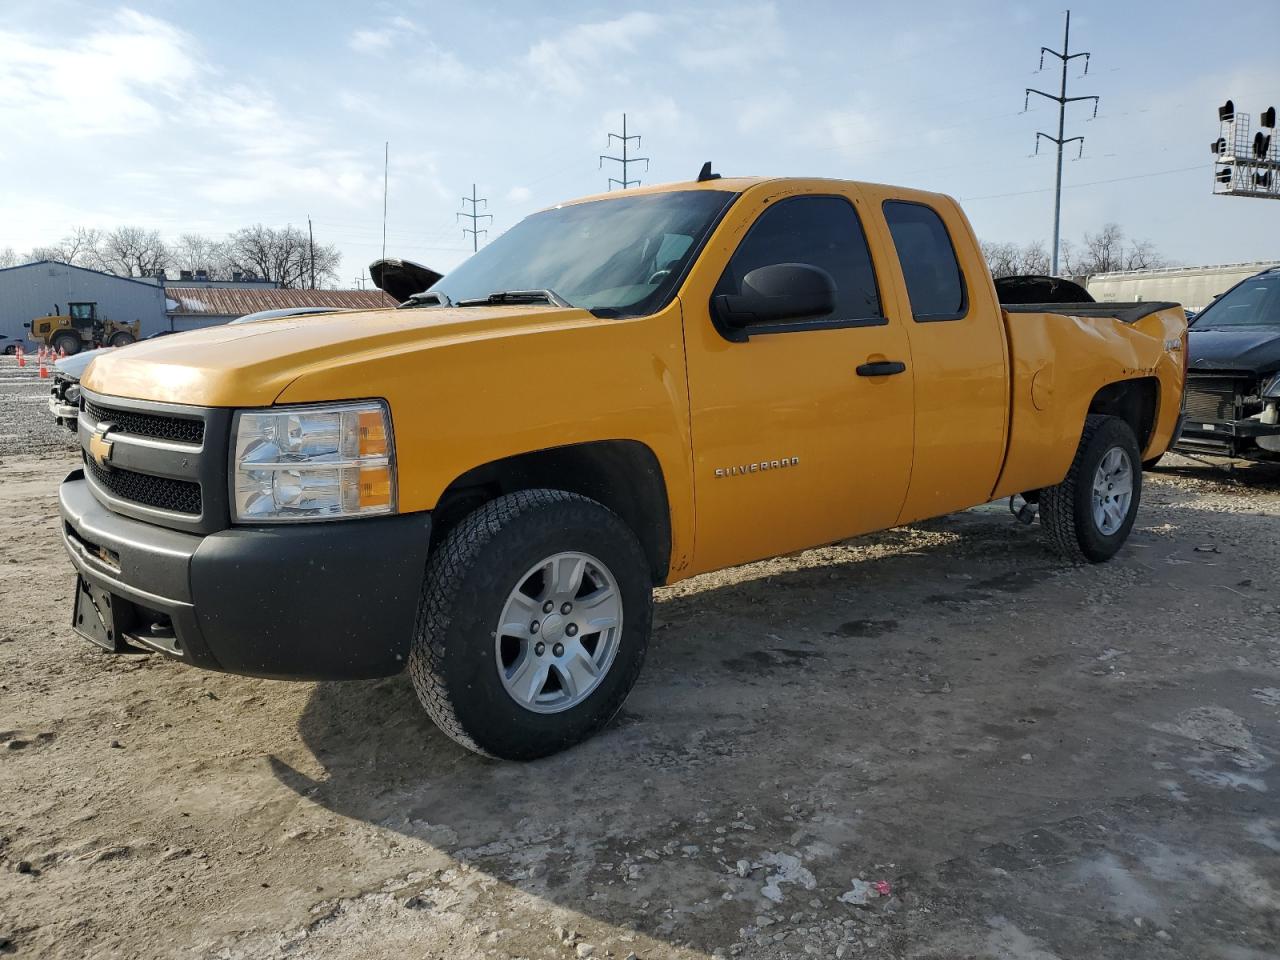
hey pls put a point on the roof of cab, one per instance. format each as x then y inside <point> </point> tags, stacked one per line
<point>741,184</point>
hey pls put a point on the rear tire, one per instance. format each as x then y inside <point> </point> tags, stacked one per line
<point>478,663</point>
<point>67,343</point>
<point>1087,517</point>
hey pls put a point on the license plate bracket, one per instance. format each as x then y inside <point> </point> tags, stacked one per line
<point>99,617</point>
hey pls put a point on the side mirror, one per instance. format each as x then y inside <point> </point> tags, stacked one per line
<point>26,326</point>
<point>777,293</point>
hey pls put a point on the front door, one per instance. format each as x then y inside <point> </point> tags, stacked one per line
<point>802,432</point>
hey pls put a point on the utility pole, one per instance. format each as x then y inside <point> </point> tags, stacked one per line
<point>475,218</point>
<point>624,159</point>
<point>1061,140</point>
<point>360,280</point>
<point>311,242</point>
<point>386,165</point>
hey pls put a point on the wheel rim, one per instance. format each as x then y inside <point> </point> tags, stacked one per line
<point>559,631</point>
<point>1112,491</point>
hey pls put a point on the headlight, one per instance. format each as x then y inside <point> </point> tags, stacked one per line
<point>1271,389</point>
<point>312,463</point>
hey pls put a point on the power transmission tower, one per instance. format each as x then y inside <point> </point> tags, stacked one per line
<point>1061,140</point>
<point>624,159</point>
<point>475,218</point>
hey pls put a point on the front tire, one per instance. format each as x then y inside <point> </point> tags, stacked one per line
<point>533,624</point>
<point>66,343</point>
<point>122,340</point>
<point>1087,517</point>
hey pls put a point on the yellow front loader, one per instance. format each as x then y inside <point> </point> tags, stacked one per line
<point>82,328</point>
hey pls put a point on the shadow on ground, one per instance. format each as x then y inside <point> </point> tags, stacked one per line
<point>1019,750</point>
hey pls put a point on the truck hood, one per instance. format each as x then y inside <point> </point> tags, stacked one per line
<point>1255,349</point>
<point>250,365</point>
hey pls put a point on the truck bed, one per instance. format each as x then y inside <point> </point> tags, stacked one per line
<point>1125,312</point>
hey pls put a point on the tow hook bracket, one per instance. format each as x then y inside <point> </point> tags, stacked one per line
<point>1024,514</point>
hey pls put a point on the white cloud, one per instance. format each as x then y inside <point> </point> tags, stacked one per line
<point>107,83</point>
<point>733,38</point>
<point>371,41</point>
<point>561,64</point>
<point>377,39</point>
<point>855,134</point>
<point>519,194</point>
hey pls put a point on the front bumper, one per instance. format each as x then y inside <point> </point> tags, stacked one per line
<point>315,601</point>
<point>63,411</point>
<point>1243,439</point>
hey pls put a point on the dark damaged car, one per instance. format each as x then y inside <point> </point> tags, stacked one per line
<point>1233,384</point>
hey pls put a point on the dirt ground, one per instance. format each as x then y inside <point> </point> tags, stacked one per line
<point>937,742</point>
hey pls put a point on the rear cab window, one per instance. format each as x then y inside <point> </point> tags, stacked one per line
<point>935,282</point>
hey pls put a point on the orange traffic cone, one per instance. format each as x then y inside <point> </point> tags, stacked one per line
<point>22,358</point>
<point>62,353</point>
<point>44,370</point>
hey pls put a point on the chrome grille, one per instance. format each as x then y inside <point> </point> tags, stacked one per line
<point>162,493</point>
<point>162,463</point>
<point>151,425</point>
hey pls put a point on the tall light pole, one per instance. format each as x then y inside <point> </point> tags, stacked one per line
<point>1066,56</point>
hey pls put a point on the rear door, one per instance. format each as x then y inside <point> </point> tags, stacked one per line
<point>792,446</point>
<point>958,342</point>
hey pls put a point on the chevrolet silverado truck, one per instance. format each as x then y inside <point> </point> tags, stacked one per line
<point>485,484</point>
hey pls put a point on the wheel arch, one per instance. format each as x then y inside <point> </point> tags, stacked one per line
<point>1135,401</point>
<point>623,475</point>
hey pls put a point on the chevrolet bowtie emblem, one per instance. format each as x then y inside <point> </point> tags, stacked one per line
<point>99,445</point>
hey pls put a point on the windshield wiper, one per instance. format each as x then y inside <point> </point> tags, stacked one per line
<point>518,296</point>
<point>428,298</point>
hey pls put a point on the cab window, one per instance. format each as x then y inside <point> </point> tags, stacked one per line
<point>823,232</point>
<point>935,284</point>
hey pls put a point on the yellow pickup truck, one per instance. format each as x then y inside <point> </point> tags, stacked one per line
<point>485,484</point>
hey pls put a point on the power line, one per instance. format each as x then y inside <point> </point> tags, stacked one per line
<point>1061,140</point>
<point>624,159</point>
<point>1087,183</point>
<point>475,218</point>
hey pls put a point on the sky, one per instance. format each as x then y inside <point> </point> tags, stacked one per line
<point>200,117</point>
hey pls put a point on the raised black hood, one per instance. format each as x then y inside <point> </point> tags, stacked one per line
<point>1252,349</point>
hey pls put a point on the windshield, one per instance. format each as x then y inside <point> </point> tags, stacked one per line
<point>1253,303</point>
<point>621,255</point>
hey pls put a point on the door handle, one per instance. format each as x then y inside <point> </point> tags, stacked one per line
<point>881,368</point>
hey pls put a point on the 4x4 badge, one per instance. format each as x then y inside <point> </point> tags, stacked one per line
<point>99,446</point>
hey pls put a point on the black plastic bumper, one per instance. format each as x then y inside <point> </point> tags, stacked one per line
<point>322,601</point>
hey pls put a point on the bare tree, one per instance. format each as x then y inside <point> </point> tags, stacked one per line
<point>133,252</point>
<point>1109,250</point>
<point>8,258</point>
<point>1101,252</point>
<point>283,255</point>
<point>1010,260</point>
<point>194,252</point>
<point>79,248</point>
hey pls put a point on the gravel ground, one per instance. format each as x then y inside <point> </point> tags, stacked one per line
<point>936,742</point>
<point>25,424</point>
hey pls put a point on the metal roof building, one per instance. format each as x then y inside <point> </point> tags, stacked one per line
<point>46,286</point>
<point>192,307</point>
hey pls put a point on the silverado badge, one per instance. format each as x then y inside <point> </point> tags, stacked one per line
<point>99,445</point>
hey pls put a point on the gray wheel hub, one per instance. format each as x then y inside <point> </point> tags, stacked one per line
<point>1112,491</point>
<point>558,633</point>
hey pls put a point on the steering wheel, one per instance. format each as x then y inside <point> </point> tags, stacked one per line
<point>658,276</point>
